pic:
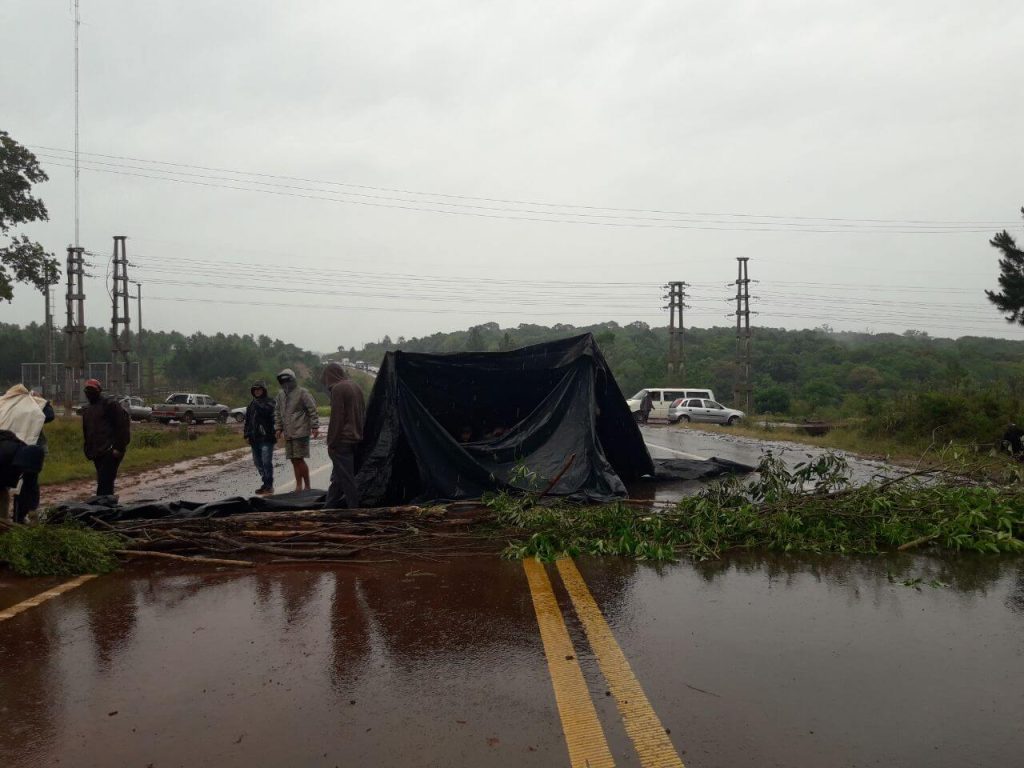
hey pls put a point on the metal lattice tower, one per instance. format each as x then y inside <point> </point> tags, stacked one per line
<point>120,321</point>
<point>74,327</point>
<point>742,391</point>
<point>676,304</point>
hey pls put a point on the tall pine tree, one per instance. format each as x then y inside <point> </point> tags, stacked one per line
<point>1010,298</point>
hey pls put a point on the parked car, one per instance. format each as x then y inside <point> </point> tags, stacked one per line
<point>137,409</point>
<point>191,408</point>
<point>238,414</point>
<point>663,397</point>
<point>702,410</point>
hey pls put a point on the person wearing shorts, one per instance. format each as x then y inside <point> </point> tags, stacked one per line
<point>296,448</point>
<point>296,420</point>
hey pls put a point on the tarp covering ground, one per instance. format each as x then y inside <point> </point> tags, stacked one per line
<point>525,412</point>
<point>106,509</point>
<point>548,417</point>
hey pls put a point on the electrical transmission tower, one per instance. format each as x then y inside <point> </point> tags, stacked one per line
<point>74,328</point>
<point>120,322</point>
<point>676,303</point>
<point>742,391</point>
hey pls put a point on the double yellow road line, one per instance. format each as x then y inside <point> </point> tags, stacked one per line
<point>585,739</point>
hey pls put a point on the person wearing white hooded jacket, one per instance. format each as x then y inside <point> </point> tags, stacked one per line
<point>296,420</point>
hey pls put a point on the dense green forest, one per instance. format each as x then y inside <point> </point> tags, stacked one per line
<point>910,387</point>
<point>805,372</point>
<point>908,383</point>
<point>223,365</point>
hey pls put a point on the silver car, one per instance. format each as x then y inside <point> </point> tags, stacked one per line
<point>707,411</point>
<point>136,408</point>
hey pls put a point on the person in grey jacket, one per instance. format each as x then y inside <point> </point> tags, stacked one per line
<point>295,419</point>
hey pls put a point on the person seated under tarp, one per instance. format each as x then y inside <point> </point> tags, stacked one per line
<point>19,463</point>
<point>1013,440</point>
<point>22,415</point>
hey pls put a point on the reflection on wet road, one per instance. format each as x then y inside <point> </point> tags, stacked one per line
<point>746,662</point>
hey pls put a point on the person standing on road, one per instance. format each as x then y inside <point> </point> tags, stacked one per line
<point>106,430</point>
<point>259,433</point>
<point>344,433</point>
<point>646,405</point>
<point>295,419</point>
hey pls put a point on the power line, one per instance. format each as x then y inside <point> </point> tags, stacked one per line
<point>512,201</point>
<point>548,217</point>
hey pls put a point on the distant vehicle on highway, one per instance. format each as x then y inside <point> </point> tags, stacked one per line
<point>702,410</point>
<point>663,397</point>
<point>191,408</point>
<point>137,408</point>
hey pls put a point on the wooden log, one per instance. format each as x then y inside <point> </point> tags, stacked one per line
<point>312,534</point>
<point>285,551</point>
<point>183,558</point>
<point>916,542</point>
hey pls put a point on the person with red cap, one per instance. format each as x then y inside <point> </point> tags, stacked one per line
<point>106,429</point>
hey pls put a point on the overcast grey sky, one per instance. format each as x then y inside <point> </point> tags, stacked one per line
<point>705,117</point>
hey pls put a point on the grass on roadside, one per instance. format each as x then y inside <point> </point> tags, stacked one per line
<point>151,446</point>
<point>58,550</point>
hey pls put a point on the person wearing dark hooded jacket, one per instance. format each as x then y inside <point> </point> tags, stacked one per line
<point>344,433</point>
<point>259,433</point>
<point>106,432</point>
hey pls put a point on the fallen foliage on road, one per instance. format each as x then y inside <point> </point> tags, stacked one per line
<point>956,507</point>
<point>812,508</point>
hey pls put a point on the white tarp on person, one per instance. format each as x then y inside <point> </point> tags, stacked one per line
<point>21,412</point>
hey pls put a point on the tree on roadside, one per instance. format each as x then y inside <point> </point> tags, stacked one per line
<point>1010,298</point>
<point>21,260</point>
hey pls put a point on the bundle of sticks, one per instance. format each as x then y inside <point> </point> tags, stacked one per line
<point>351,536</point>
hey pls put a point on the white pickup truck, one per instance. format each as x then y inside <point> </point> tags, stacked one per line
<point>191,408</point>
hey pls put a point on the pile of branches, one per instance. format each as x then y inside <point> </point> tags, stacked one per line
<point>366,535</point>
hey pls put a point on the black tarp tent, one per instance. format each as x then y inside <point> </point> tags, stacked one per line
<point>554,399</point>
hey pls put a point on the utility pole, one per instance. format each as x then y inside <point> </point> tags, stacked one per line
<point>742,391</point>
<point>120,322</point>
<point>138,335</point>
<point>676,304</point>
<point>78,25</point>
<point>46,381</point>
<point>74,328</point>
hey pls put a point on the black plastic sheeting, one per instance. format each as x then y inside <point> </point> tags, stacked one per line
<point>555,400</point>
<point>107,510</point>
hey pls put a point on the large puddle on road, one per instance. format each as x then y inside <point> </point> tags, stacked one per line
<point>749,661</point>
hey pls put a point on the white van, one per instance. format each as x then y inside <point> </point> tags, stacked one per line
<point>663,397</point>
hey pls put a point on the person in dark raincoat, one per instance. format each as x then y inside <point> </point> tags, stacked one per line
<point>344,433</point>
<point>259,433</point>
<point>646,406</point>
<point>106,432</point>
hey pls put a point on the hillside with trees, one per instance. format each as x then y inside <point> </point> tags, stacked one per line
<point>816,372</point>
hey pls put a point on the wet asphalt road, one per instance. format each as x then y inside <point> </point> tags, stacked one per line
<point>239,478</point>
<point>747,662</point>
<point>750,661</point>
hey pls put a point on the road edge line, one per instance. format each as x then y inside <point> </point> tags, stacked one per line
<point>42,597</point>
<point>684,454</point>
<point>584,737</point>
<point>649,737</point>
